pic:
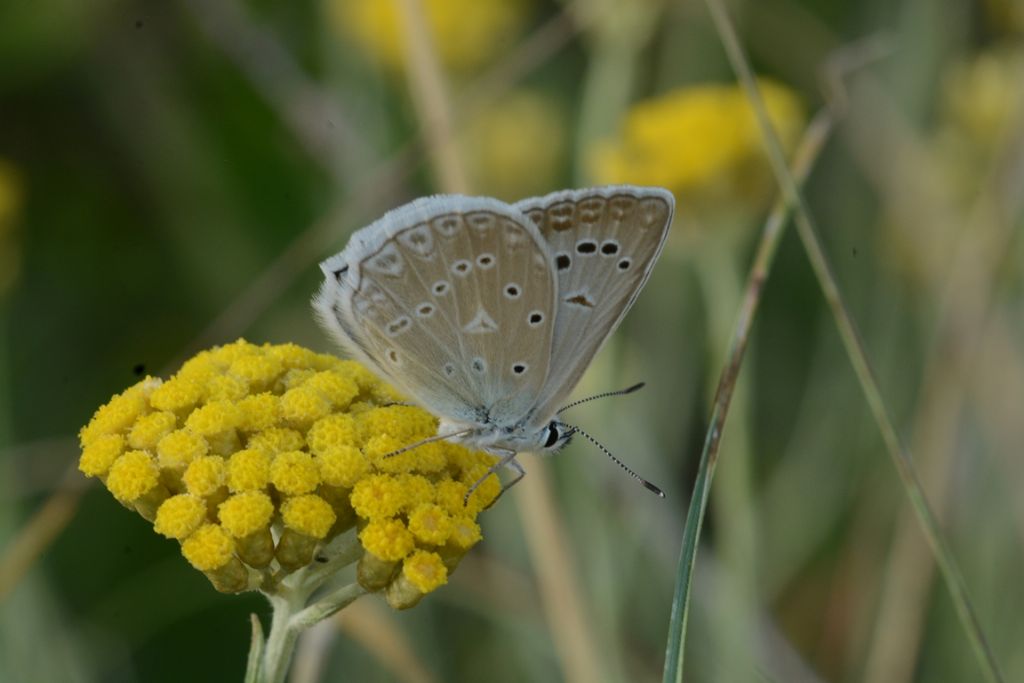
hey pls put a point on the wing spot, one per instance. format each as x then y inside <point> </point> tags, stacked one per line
<point>580,300</point>
<point>624,264</point>
<point>563,261</point>
<point>609,247</point>
<point>479,365</point>
<point>340,273</point>
<point>462,267</point>
<point>398,326</point>
<point>387,262</point>
<point>481,220</point>
<point>393,356</point>
<point>519,368</point>
<point>515,237</point>
<point>586,247</point>
<point>485,261</point>
<point>512,290</point>
<point>535,318</point>
<point>447,226</point>
<point>482,323</point>
<point>449,369</point>
<point>425,310</point>
<point>419,240</point>
<point>441,287</point>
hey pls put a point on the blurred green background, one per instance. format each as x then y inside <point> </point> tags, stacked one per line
<point>171,173</point>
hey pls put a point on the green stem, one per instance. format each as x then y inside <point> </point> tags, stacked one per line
<point>277,654</point>
<point>813,140</point>
<point>855,349</point>
<point>292,612</point>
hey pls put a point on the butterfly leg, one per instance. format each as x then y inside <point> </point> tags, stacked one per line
<point>508,459</point>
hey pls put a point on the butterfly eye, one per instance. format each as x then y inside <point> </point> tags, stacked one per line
<point>552,436</point>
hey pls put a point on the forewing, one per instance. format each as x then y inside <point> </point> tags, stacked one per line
<point>451,299</point>
<point>604,242</point>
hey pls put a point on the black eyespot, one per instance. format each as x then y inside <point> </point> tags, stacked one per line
<point>536,318</point>
<point>586,247</point>
<point>610,248</point>
<point>485,260</point>
<point>440,287</point>
<point>425,310</point>
<point>478,365</point>
<point>562,261</point>
<point>552,436</point>
<point>393,356</point>
<point>512,291</point>
<point>624,264</point>
<point>519,368</point>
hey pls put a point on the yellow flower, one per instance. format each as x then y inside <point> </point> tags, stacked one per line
<point>309,515</point>
<point>245,513</point>
<point>180,515</point>
<point>702,142</point>
<point>11,193</point>
<point>466,33</point>
<point>983,96</point>
<point>99,455</point>
<point>516,146</point>
<point>254,484</point>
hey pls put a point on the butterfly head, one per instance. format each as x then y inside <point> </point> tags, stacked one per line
<point>555,437</point>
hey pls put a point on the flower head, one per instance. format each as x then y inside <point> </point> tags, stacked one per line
<point>466,33</point>
<point>255,457</point>
<point>702,142</point>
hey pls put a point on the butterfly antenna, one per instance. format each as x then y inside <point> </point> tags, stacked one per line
<point>647,485</point>
<point>620,392</point>
<point>432,439</point>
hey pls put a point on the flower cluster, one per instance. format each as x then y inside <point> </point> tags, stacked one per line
<point>699,141</point>
<point>254,457</point>
<point>492,145</point>
<point>466,33</point>
<point>10,206</point>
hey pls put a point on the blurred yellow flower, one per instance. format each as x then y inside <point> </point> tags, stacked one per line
<point>516,146</point>
<point>700,141</point>
<point>984,96</point>
<point>1007,14</point>
<point>466,33</point>
<point>254,486</point>
<point>10,206</point>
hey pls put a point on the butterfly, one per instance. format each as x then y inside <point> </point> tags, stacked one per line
<point>486,313</point>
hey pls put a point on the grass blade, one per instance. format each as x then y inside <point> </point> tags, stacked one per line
<point>810,146</point>
<point>855,350</point>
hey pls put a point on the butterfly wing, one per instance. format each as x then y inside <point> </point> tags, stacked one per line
<point>604,242</point>
<point>452,299</point>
